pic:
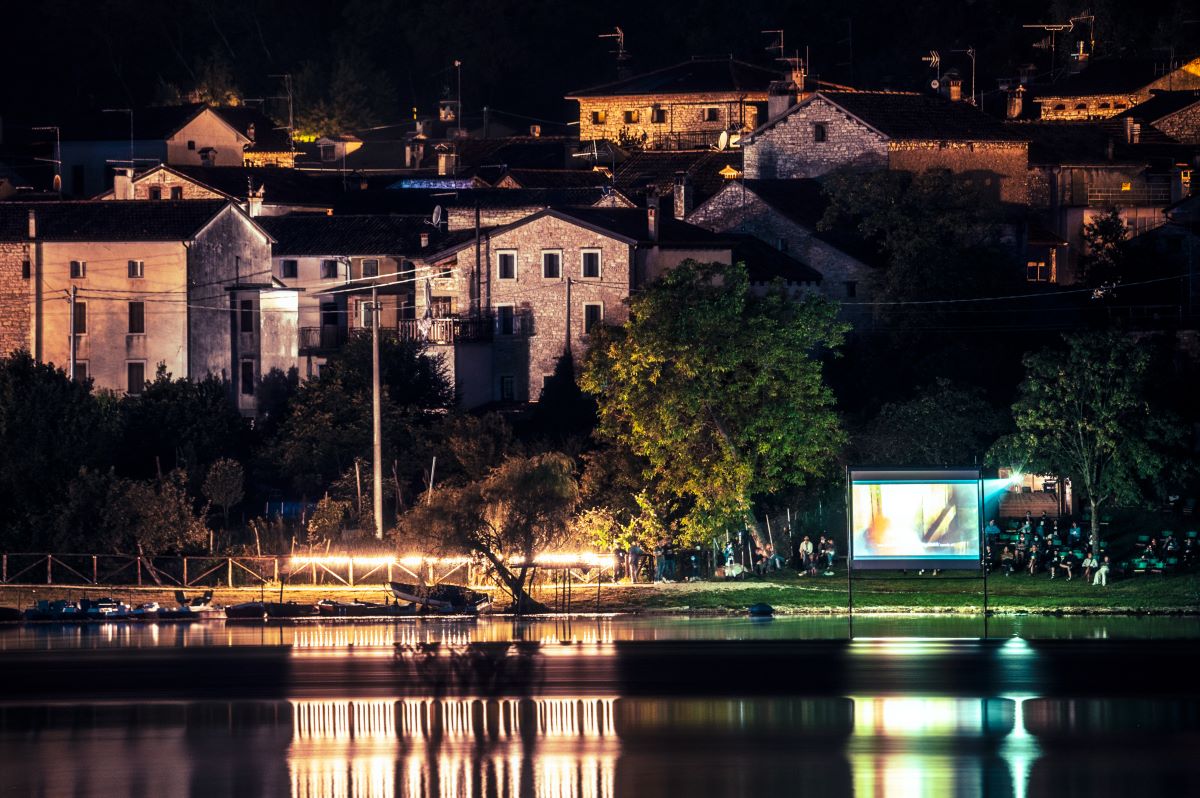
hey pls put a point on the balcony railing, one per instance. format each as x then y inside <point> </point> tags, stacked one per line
<point>455,330</point>
<point>326,338</point>
<point>1141,196</point>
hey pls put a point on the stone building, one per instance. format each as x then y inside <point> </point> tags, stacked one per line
<point>124,287</point>
<point>685,106</point>
<point>784,215</point>
<point>1108,87</point>
<point>1172,113</point>
<point>888,130</point>
<point>260,191</point>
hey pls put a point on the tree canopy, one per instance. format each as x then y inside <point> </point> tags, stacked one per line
<point>719,390</point>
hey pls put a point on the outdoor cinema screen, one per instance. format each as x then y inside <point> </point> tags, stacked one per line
<point>926,518</point>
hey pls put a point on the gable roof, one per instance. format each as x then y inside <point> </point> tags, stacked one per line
<point>268,135</point>
<point>153,124</point>
<point>1161,105</point>
<point>1106,76</point>
<point>309,234</point>
<point>909,116</point>
<point>657,169</point>
<point>698,76</point>
<point>556,178</point>
<point>113,220</point>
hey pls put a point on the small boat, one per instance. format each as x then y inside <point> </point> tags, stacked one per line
<point>104,609</point>
<point>327,608</point>
<point>85,611</point>
<point>258,610</point>
<point>449,599</point>
<point>10,614</point>
<point>45,610</point>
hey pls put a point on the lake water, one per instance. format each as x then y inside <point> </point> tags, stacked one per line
<point>568,708</point>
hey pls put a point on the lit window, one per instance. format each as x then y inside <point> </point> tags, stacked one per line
<point>552,265</point>
<point>135,378</point>
<point>1037,271</point>
<point>289,269</point>
<point>820,133</point>
<point>137,318</point>
<point>506,265</point>
<point>137,269</point>
<point>633,117</point>
<point>78,269</point>
<point>599,117</point>
<point>593,316</point>
<point>591,264</point>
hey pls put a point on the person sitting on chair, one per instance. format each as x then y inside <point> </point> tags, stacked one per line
<point>1006,561</point>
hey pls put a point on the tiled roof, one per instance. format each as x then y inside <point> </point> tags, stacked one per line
<point>633,224</point>
<point>1161,105</point>
<point>1105,76</point>
<point>282,186</point>
<point>109,220</point>
<point>698,76</point>
<point>305,234</point>
<point>557,178</point>
<point>657,169</point>
<point>765,263</point>
<point>909,116</point>
<point>152,124</point>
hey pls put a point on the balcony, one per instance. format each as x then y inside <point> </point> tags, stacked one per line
<point>323,339</point>
<point>1145,195</point>
<point>470,329</point>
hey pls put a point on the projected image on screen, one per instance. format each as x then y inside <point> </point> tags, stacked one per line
<point>903,523</point>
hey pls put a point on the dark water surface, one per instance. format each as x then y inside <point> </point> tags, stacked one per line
<point>604,707</point>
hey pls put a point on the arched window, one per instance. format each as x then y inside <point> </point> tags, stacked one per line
<point>1060,107</point>
<point>1081,107</point>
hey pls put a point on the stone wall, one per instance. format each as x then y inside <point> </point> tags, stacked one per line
<point>1098,106</point>
<point>14,298</point>
<point>165,181</point>
<point>1183,126</point>
<point>789,148</point>
<point>735,210</point>
<point>1002,167</point>
<point>683,115</point>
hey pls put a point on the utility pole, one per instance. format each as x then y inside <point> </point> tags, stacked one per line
<point>459,112</point>
<point>71,326</point>
<point>57,155</point>
<point>376,417</point>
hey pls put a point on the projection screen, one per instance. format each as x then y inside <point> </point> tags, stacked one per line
<point>915,518</point>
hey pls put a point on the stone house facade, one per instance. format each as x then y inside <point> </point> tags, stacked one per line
<point>15,288</point>
<point>1106,88</point>
<point>182,284</point>
<point>888,130</point>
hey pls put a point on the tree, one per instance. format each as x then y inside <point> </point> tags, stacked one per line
<point>1107,249</point>
<point>944,424</point>
<point>225,485</point>
<point>522,508</point>
<point>1083,412</point>
<point>720,391</point>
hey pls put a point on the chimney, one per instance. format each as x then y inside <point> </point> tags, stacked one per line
<point>535,131</point>
<point>652,215</point>
<point>424,240</point>
<point>1133,131</point>
<point>447,164</point>
<point>32,224</point>
<point>781,95</point>
<point>1016,102</point>
<point>123,184</point>
<point>254,201</point>
<point>1179,185</point>
<point>683,195</point>
<point>250,131</point>
<point>954,87</point>
<point>1026,74</point>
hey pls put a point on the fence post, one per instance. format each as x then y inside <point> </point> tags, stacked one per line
<point>139,570</point>
<point>275,560</point>
<point>49,567</point>
<point>4,568</point>
<point>351,571</point>
<point>229,565</point>
<point>185,579</point>
<point>389,570</point>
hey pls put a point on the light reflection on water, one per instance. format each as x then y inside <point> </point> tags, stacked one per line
<point>598,747</point>
<point>580,629</point>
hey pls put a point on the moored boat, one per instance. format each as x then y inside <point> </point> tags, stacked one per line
<point>327,608</point>
<point>449,599</point>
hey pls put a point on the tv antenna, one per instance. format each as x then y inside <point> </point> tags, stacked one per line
<point>621,53</point>
<point>1055,28</point>
<point>795,63</point>
<point>970,51</point>
<point>934,59</point>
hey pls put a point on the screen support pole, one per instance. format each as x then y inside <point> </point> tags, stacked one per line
<point>849,560</point>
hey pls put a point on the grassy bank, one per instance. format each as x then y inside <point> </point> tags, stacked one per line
<point>1173,593</point>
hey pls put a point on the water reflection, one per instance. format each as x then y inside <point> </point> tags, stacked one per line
<point>591,746</point>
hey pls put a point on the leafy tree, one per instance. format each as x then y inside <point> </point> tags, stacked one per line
<point>1084,413</point>
<point>939,233</point>
<point>719,390</point>
<point>225,485</point>
<point>327,519</point>
<point>521,508</point>
<point>944,424</point>
<point>155,517</point>
<point>50,427</point>
<point>1107,249</point>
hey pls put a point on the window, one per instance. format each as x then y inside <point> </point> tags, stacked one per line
<point>552,264</point>
<point>137,318</point>
<point>508,388</point>
<point>1104,105</point>
<point>176,192</point>
<point>1037,271</point>
<point>81,371</point>
<point>1081,106</point>
<point>137,269</point>
<point>505,319</point>
<point>782,244</point>
<point>155,192</point>
<point>329,270</point>
<point>191,145</point>
<point>633,117</point>
<point>1060,107</point>
<point>712,114</point>
<point>246,383</point>
<point>80,318</point>
<point>78,269</point>
<point>593,316</point>
<point>329,314</point>
<point>441,306</point>
<point>820,132</point>
<point>26,269</point>
<point>289,269</point>
<point>247,314</point>
<point>370,267</point>
<point>328,152</point>
<point>1119,105</point>
<point>599,117</point>
<point>591,264</point>
<point>658,116</point>
<point>851,289</point>
<point>135,378</point>
<point>506,265</point>
<point>363,313</point>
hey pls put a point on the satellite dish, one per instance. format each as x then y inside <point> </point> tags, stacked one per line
<point>437,216</point>
<point>723,140</point>
<point>935,84</point>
